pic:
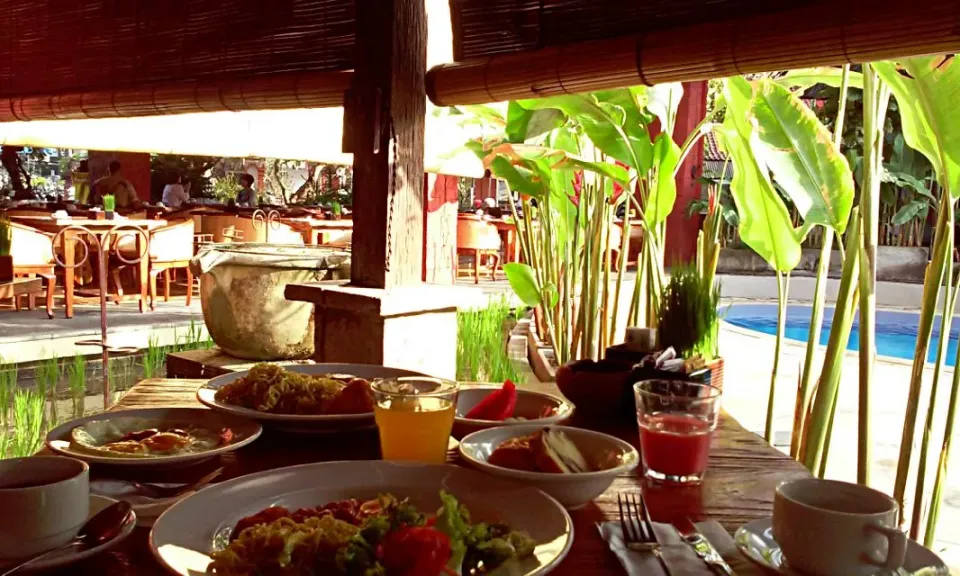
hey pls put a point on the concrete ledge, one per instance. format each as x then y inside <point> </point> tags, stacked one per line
<point>894,263</point>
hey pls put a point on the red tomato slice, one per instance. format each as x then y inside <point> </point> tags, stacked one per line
<point>418,551</point>
<point>498,405</point>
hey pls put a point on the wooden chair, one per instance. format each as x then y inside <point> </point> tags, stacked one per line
<point>32,252</point>
<point>171,247</point>
<point>477,238</point>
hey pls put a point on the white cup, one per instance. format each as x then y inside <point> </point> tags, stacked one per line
<point>45,500</point>
<point>830,528</point>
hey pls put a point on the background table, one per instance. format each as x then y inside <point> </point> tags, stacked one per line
<point>742,474</point>
<point>317,231</point>
<point>100,229</point>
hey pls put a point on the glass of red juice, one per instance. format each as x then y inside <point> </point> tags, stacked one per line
<point>677,420</point>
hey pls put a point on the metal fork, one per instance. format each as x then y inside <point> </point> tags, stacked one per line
<point>638,534</point>
<point>162,492</point>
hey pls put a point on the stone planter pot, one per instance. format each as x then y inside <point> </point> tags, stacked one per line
<point>242,296</point>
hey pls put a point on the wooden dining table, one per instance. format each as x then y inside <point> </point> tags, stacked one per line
<point>101,229</point>
<point>317,231</point>
<point>742,474</point>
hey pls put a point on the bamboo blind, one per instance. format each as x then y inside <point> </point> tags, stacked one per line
<point>273,92</point>
<point>488,27</point>
<point>814,35</point>
<point>111,46</point>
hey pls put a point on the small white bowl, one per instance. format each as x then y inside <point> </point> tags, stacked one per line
<point>530,405</point>
<point>571,490</point>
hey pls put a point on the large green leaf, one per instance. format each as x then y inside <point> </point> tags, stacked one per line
<point>928,93</point>
<point>799,151</point>
<point>523,124</point>
<point>524,282</point>
<point>664,99</point>
<point>561,160</point>
<point>519,178</point>
<point>765,223</point>
<point>738,94</point>
<point>807,77</point>
<point>602,124</point>
<point>663,195</point>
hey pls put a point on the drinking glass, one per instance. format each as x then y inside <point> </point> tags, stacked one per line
<point>676,420</point>
<point>415,417</point>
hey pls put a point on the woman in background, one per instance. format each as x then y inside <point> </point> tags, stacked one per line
<point>174,194</point>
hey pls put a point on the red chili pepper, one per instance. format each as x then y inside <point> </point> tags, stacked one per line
<point>498,405</point>
<point>417,551</point>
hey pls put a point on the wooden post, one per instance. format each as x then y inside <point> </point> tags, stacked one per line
<point>386,315</point>
<point>384,127</point>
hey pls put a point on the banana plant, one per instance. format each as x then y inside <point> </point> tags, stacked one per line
<point>574,156</point>
<point>765,223</point>
<point>927,90</point>
<point>876,97</point>
<point>803,78</point>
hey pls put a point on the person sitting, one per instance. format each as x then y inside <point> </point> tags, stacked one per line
<point>81,183</point>
<point>247,196</point>
<point>125,196</point>
<point>174,194</point>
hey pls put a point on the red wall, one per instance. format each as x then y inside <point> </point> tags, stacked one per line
<point>682,231</point>
<point>135,167</point>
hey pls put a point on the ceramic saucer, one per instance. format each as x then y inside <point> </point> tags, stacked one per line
<point>755,540</point>
<point>75,554</point>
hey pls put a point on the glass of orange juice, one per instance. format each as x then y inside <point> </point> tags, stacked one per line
<point>415,417</point>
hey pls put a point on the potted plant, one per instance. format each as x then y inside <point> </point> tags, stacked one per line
<point>688,319</point>
<point>336,209</point>
<point>109,204</point>
<point>6,259</point>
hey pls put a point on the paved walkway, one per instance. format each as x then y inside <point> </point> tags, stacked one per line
<point>748,358</point>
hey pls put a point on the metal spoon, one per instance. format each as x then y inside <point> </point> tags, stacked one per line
<point>103,527</point>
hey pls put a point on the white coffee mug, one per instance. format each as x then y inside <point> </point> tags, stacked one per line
<point>830,528</point>
<point>45,501</point>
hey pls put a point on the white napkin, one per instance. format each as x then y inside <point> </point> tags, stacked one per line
<point>677,554</point>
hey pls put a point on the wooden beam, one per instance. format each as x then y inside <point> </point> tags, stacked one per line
<point>384,129</point>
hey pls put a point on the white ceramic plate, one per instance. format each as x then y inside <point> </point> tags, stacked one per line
<point>299,422</point>
<point>530,405</point>
<point>184,535</point>
<point>72,555</point>
<point>244,430</point>
<point>755,540</point>
<point>572,490</point>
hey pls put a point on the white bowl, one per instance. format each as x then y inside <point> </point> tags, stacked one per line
<point>530,405</point>
<point>571,490</point>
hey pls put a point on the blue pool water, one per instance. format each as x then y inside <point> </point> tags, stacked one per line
<point>896,331</point>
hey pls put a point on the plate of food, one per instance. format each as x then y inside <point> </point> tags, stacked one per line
<point>308,398</point>
<point>574,465</point>
<point>152,436</point>
<point>486,406</point>
<point>364,517</point>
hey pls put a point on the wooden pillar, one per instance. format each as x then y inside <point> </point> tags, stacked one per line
<point>385,110</point>
<point>440,229</point>
<point>386,315</point>
<point>681,241</point>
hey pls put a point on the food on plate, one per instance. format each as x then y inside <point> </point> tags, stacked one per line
<point>382,537</point>
<point>144,438</point>
<point>271,388</point>
<point>501,406</point>
<point>548,450</point>
<point>498,405</point>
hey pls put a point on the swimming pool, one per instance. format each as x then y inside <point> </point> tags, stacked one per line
<point>896,331</point>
